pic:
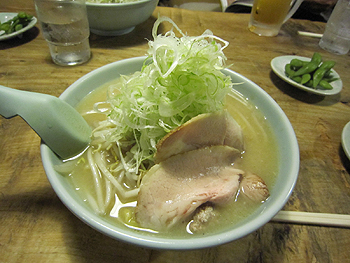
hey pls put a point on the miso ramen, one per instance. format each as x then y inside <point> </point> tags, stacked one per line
<point>260,157</point>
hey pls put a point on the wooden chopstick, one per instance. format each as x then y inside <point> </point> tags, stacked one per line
<point>310,34</point>
<point>321,219</point>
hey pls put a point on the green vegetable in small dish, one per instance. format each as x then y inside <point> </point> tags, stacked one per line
<point>15,24</point>
<point>313,74</point>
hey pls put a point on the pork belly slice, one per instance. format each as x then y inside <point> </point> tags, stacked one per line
<point>172,190</point>
<point>208,129</point>
<point>251,186</point>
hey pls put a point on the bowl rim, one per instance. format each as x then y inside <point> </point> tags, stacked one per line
<point>259,218</point>
<point>138,2</point>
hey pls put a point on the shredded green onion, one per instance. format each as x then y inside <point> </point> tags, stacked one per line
<point>180,79</point>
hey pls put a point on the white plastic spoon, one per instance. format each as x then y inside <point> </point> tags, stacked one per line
<point>58,124</point>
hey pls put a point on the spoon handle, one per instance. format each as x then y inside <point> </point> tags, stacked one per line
<point>58,124</point>
<point>13,102</point>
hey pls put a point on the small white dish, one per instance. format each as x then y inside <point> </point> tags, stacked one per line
<point>345,139</point>
<point>7,16</point>
<point>278,64</point>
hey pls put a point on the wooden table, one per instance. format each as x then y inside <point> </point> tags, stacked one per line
<point>36,227</point>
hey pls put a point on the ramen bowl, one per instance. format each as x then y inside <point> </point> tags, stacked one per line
<point>287,148</point>
<point>113,19</point>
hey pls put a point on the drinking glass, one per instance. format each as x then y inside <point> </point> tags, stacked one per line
<point>65,27</point>
<point>267,16</point>
<point>336,38</point>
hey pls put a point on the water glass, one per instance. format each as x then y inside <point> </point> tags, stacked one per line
<point>267,16</point>
<point>336,38</point>
<point>65,27</point>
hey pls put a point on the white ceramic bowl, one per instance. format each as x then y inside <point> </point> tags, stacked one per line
<point>112,19</point>
<point>288,167</point>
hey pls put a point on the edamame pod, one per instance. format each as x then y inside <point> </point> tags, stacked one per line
<point>330,79</point>
<point>309,83</point>
<point>321,71</point>
<point>18,27</point>
<point>325,85</point>
<point>5,27</point>
<point>310,66</point>
<point>297,79</point>
<point>288,70</point>
<point>305,78</point>
<point>22,15</point>
<point>296,63</point>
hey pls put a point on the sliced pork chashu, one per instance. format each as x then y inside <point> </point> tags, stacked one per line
<point>173,189</point>
<point>251,186</point>
<point>218,128</point>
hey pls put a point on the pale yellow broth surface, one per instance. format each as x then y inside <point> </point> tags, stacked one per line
<point>260,157</point>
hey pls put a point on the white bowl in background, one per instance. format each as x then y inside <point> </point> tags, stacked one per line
<point>279,194</point>
<point>113,19</point>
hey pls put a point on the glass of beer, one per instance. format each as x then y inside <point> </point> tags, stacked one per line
<point>267,16</point>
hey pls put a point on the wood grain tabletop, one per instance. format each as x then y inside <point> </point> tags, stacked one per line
<point>36,227</point>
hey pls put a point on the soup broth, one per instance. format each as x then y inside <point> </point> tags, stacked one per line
<point>260,157</point>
